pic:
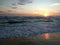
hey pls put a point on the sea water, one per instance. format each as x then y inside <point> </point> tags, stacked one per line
<point>26,26</point>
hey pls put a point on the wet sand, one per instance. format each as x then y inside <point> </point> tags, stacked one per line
<point>41,39</point>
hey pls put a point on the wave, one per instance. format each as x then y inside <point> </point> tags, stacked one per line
<point>8,19</point>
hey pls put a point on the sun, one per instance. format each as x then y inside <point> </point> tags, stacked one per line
<point>46,14</point>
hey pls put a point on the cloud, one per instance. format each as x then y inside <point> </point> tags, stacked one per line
<point>56,4</point>
<point>9,10</point>
<point>14,7</point>
<point>13,4</point>
<point>21,4</point>
<point>24,2</point>
<point>1,11</point>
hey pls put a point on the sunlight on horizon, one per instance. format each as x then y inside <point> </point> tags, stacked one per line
<point>46,14</point>
<point>37,7</point>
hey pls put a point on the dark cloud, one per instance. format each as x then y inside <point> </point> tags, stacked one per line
<point>21,4</point>
<point>14,7</point>
<point>1,11</point>
<point>24,2</point>
<point>13,4</point>
<point>9,10</point>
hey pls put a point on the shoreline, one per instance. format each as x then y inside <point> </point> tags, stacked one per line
<point>52,39</point>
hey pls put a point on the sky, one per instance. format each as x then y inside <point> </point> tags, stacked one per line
<point>30,7</point>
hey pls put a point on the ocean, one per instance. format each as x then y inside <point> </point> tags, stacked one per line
<point>27,26</point>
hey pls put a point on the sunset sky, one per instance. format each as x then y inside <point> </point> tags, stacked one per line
<point>30,7</point>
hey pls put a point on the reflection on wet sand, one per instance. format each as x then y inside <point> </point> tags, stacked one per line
<point>48,39</point>
<point>46,36</point>
<point>41,39</point>
<point>52,36</point>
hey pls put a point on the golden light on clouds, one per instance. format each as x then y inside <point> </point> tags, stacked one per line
<point>37,7</point>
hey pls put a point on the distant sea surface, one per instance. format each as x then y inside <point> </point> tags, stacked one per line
<point>26,26</point>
